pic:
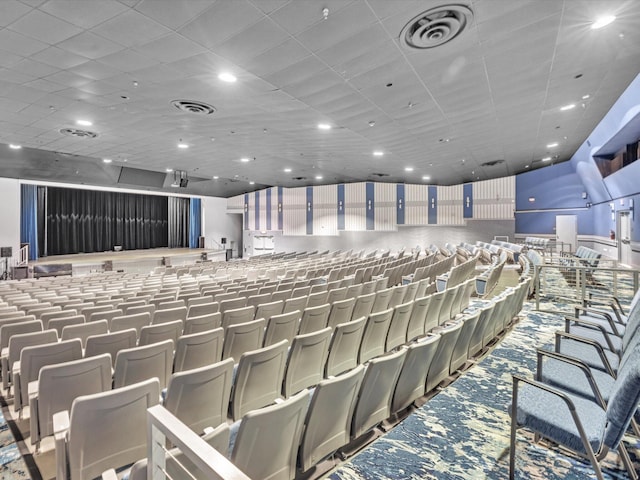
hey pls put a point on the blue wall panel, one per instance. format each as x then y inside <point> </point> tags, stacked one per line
<point>257,219</point>
<point>400,204</point>
<point>309,210</point>
<point>268,207</point>
<point>545,222</point>
<point>371,205</point>
<point>467,200</point>
<point>280,208</point>
<point>246,211</point>
<point>341,206</point>
<point>555,186</point>
<point>433,204</point>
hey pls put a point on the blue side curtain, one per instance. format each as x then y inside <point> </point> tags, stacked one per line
<point>195,224</point>
<point>29,218</point>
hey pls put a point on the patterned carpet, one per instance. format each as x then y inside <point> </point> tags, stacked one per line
<point>463,432</point>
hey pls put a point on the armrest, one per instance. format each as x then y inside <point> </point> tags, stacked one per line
<point>578,364</point>
<point>605,315</point>
<point>109,475</point>
<point>60,433</point>
<point>587,341</point>
<point>534,383</point>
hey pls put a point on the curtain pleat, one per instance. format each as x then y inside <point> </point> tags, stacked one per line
<point>42,221</point>
<point>178,222</point>
<point>29,218</point>
<point>195,222</point>
<point>86,221</point>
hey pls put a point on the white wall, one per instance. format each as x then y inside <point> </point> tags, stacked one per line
<point>217,223</point>
<point>10,214</point>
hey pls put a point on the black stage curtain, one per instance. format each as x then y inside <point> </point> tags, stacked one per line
<point>42,221</point>
<point>86,221</point>
<point>178,222</point>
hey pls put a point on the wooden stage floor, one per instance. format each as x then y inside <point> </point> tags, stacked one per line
<point>123,256</point>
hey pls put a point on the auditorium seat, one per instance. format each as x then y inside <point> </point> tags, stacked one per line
<point>460,353</point>
<point>58,385</point>
<point>383,297</point>
<point>127,321</point>
<point>200,397</point>
<point>317,299</point>
<point>17,342</point>
<point>104,315</point>
<point>83,331</point>
<point>89,448</point>
<point>306,361</point>
<point>198,349</point>
<point>110,343</point>
<point>375,335</point>
<point>439,368</point>
<point>333,398</point>
<point>58,324</point>
<point>344,347</point>
<point>269,309</point>
<point>399,324</point>
<point>374,398</point>
<point>243,337</point>
<point>202,323</point>
<point>258,379</point>
<point>314,319</point>
<point>340,312</point>
<point>417,321</point>
<point>163,331</point>
<point>137,364</point>
<point>266,445</point>
<point>200,309</point>
<point>169,315</point>
<point>281,327</point>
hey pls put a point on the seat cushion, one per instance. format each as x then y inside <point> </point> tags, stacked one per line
<point>603,322</point>
<point>571,379</point>
<point>587,354</point>
<point>597,335</point>
<point>549,415</point>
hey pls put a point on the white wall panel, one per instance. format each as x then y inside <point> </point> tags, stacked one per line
<point>450,205</point>
<point>416,199</point>
<point>251,211</point>
<point>325,210</point>
<point>263,209</point>
<point>385,206</point>
<point>235,203</point>
<point>274,208</point>
<point>355,213</point>
<point>494,199</point>
<point>294,211</point>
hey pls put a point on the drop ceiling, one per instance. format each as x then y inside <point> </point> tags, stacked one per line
<point>494,92</point>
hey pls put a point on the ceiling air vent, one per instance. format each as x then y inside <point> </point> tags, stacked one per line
<point>299,178</point>
<point>380,175</point>
<point>194,106</point>
<point>436,26</point>
<point>491,163</point>
<point>74,132</point>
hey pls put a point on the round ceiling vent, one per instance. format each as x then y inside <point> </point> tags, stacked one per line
<point>75,132</point>
<point>194,106</point>
<point>436,26</point>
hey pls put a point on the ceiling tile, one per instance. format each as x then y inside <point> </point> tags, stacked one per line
<point>95,70</point>
<point>83,14</point>
<point>173,13</point>
<point>20,44</point>
<point>170,48</point>
<point>242,47</point>
<point>89,45</point>
<point>33,68</point>
<point>7,59</point>
<point>278,58</point>
<point>132,28</point>
<point>295,16</point>
<point>60,58</point>
<point>11,10</point>
<point>44,27</point>
<point>68,79</point>
<point>127,61</point>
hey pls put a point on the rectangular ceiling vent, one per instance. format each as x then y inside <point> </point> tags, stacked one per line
<point>142,178</point>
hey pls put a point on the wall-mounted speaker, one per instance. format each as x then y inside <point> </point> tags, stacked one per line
<point>6,252</point>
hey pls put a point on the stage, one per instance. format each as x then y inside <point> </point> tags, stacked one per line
<point>129,261</point>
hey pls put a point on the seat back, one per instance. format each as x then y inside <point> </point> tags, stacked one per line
<point>202,323</point>
<point>314,319</point>
<point>60,384</point>
<point>128,321</point>
<point>92,447</point>
<point>141,363</point>
<point>258,380</point>
<point>439,368</point>
<point>344,347</point>
<point>197,310</point>
<point>23,340</point>
<point>159,332</point>
<point>397,295</point>
<point>336,295</point>
<point>281,327</point>
<point>341,312</point>
<point>374,399</point>
<point>238,315</point>
<point>46,317</point>
<point>334,398</point>
<point>306,361</point>
<point>318,298</point>
<point>198,350</point>
<point>383,297</point>
<point>374,337</point>
<point>232,303</point>
<point>444,314</point>
<point>58,324</point>
<point>242,338</point>
<point>200,397</point>
<point>413,375</point>
<point>110,343</point>
<point>398,328</point>
<point>417,320</point>
<point>266,445</point>
<point>138,309</point>
<point>268,310</point>
<point>104,315</point>
<point>84,330</point>
<point>169,315</point>
<point>364,305</point>
<point>460,352</point>
<point>295,303</point>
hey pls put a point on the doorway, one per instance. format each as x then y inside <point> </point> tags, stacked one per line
<point>624,237</point>
<point>566,233</point>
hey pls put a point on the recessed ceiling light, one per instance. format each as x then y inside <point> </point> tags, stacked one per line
<point>182,145</point>
<point>318,177</point>
<point>426,177</point>
<point>602,21</point>
<point>227,77</point>
<point>408,169</point>
<point>252,182</point>
<point>372,123</point>
<point>324,126</point>
<point>169,170</point>
<point>568,107</point>
<point>546,159</point>
<point>107,160</point>
<point>552,145</point>
<point>526,166</point>
<point>84,123</point>
<point>378,153</point>
<point>584,97</point>
<point>216,177</point>
<point>244,160</point>
<point>287,170</point>
<point>15,146</point>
